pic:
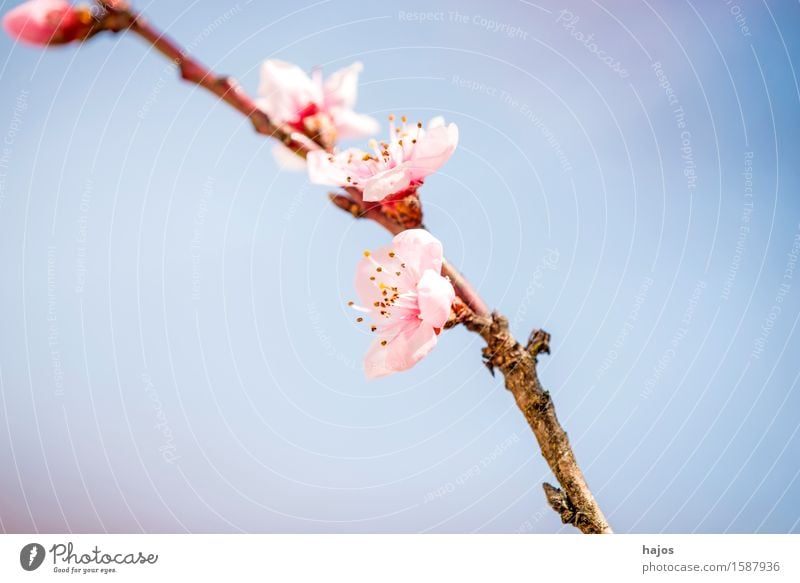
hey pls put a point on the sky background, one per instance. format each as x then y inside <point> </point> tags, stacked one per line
<point>176,353</point>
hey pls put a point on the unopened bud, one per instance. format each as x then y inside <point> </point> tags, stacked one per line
<point>47,22</point>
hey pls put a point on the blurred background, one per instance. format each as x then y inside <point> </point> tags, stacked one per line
<point>176,353</point>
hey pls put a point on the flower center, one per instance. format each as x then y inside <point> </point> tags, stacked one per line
<point>395,302</point>
<point>308,111</point>
<point>401,143</point>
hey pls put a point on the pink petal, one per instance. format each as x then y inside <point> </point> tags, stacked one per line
<point>419,250</point>
<point>369,290</point>
<point>375,361</point>
<point>287,159</point>
<point>365,289</point>
<point>435,297</point>
<point>385,183</point>
<point>37,21</point>
<point>410,346</point>
<point>433,150</point>
<point>350,124</point>
<point>341,88</point>
<point>285,90</point>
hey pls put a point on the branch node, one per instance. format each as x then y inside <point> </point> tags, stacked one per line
<point>538,343</point>
<point>346,204</point>
<point>488,356</point>
<point>559,502</point>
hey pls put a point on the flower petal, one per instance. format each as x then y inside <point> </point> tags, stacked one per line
<point>409,347</point>
<point>350,124</point>
<point>341,88</point>
<point>433,150</point>
<point>375,361</point>
<point>419,250</point>
<point>435,297</point>
<point>331,169</point>
<point>385,183</point>
<point>401,353</point>
<point>285,90</point>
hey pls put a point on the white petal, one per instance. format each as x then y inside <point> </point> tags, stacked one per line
<point>350,124</point>
<point>284,90</point>
<point>287,159</point>
<point>433,150</point>
<point>341,88</point>
<point>331,169</point>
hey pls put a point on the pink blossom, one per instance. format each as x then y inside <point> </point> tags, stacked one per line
<point>43,22</point>
<point>407,299</point>
<point>313,106</point>
<point>394,167</point>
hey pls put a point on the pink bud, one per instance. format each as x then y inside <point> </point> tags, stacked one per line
<point>46,22</point>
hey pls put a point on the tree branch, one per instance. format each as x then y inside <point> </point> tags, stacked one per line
<point>119,17</point>
<point>574,502</point>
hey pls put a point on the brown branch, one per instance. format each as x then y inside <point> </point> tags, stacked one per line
<point>119,17</point>
<point>574,502</point>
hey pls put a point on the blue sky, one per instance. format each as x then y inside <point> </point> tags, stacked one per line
<point>176,351</point>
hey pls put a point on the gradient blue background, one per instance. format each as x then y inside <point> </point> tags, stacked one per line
<point>175,349</point>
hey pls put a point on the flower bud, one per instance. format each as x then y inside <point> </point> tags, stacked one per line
<point>47,22</point>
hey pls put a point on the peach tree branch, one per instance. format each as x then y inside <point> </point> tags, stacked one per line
<point>573,501</point>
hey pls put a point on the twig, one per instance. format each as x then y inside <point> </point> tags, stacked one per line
<point>574,502</point>
<point>119,17</point>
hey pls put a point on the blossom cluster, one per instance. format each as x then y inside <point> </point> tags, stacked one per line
<point>400,287</point>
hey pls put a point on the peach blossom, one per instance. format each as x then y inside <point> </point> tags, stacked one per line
<point>408,301</point>
<point>396,166</point>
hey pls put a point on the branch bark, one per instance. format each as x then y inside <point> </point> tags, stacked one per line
<point>574,501</point>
